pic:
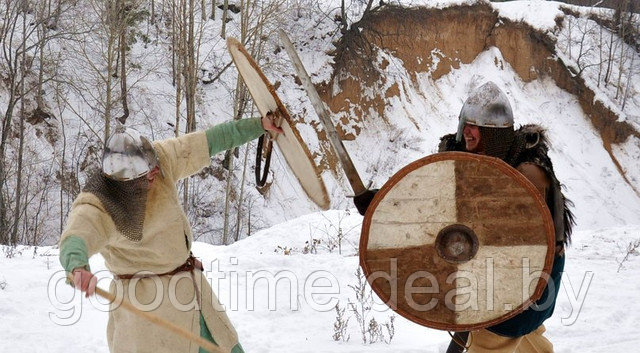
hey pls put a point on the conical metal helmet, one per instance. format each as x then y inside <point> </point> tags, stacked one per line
<point>128,155</point>
<point>487,106</point>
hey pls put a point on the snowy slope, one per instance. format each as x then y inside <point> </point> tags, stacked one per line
<point>426,109</point>
<point>421,114</point>
<point>579,158</point>
<point>604,318</point>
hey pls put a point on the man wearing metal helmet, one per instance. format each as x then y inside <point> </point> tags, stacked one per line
<point>486,126</point>
<point>129,211</point>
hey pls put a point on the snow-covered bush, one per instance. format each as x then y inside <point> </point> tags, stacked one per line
<point>311,246</point>
<point>11,251</point>
<point>371,331</point>
<point>334,232</point>
<point>340,325</point>
<point>632,249</point>
<point>285,250</point>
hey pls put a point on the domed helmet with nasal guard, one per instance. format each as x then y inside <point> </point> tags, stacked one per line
<point>128,155</point>
<point>487,106</point>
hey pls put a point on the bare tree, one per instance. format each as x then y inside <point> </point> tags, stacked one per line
<point>153,12</point>
<point>611,50</point>
<point>18,190</point>
<point>101,57</point>
<point>225,13</point>
<point>122,23</point>
<point>630,75</point>
<point>43,11</point>
<point>186,43</point>
<point>629,32</point>
<point>23,38</point>
<point>600,47</point>
<point>254,25</point>
<point>11,54</point>
<point>585,59</point>
<point>26,28</point>
<point>238,112</point>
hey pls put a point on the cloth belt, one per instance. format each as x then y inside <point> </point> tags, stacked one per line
<point>188,266</point>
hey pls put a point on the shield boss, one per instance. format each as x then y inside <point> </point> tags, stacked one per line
<point>457,241</point>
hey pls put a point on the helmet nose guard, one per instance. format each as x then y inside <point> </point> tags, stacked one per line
<point>128,155</point>
<point>487,106</point>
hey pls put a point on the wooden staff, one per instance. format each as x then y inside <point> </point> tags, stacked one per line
<point>209,346</point>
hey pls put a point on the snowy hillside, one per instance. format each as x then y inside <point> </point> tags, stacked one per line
<point>406,112</point>
<point>414,106</point>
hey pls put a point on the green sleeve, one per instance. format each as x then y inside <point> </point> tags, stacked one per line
<point>233,133</point>
<point>74,253</point>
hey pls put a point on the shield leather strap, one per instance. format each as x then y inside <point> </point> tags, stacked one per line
<point>261,178</point>
<point>457,241</point>
<point>290,143</point>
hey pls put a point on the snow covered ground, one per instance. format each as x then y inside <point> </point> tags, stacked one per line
<point>597,309</point>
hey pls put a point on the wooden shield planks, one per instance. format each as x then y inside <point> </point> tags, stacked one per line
<point>457,241</point>
<point>290,143</point>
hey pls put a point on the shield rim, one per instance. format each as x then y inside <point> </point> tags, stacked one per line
<point>505,168</point>
<point>326,202</point>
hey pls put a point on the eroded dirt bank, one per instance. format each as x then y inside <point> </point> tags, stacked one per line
<point>457,35</point>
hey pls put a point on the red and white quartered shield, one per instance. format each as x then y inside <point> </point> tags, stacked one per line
<point>457,241</point>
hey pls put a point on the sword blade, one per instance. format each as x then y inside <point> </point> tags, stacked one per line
<point>325,118</point>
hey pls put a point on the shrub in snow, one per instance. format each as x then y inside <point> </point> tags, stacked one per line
<point>371,331</point>
<point>632,249</point>
<point>390,329</point>
<point>340,325</point>
<point>284,250</point>
<point>11,251</point>
<point>311,246</point>
<point>334,232</point>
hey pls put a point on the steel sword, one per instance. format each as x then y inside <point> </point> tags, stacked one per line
<point>345,160</point>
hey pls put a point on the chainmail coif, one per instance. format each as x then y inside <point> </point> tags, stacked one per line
<point>497,141</point>
<point>125,201</point>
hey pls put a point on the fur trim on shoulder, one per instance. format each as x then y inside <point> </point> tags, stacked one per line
<point>534,136</point>
<point>534,145</point>
<point>569,220</point>
<point>449,143</point>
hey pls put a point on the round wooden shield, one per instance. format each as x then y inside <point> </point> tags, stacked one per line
<point>290,143</point>
<point>457,241</point>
